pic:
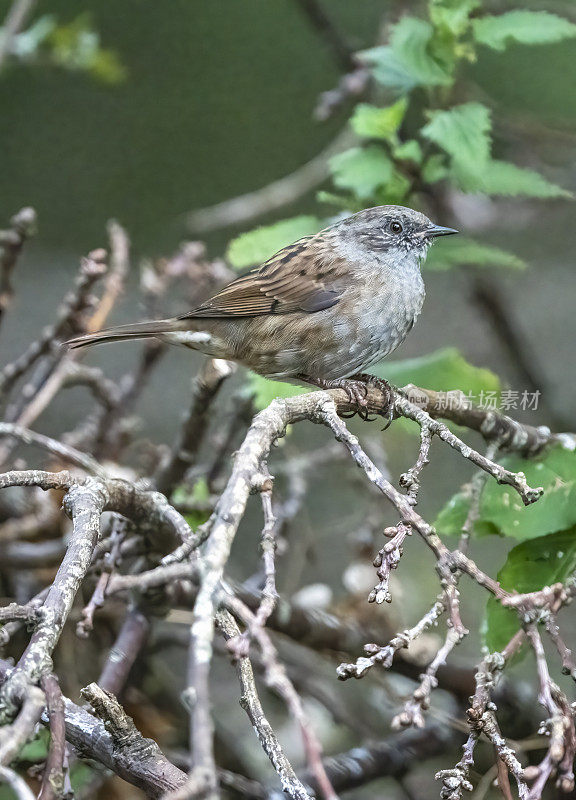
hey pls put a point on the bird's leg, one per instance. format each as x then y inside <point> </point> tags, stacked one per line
<point>356,388</point>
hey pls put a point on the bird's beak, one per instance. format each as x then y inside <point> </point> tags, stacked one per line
<point>437,230</point>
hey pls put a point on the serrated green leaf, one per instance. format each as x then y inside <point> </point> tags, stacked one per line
<point>442,371</point>
<point>362,170</point>
<point>502,511</point>
<point>258,245</point>
<point>372,122</point>
<point>411,41</point>
<point>506,179</point>
<point>463,251</point>
<point>524,27</point>
<point>530,566</point>
<point>265,391</point>
<point>408,60</point>
<point>464,133</point>
<point>388,69</point>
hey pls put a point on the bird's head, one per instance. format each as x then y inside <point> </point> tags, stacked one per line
<point>393,230</point>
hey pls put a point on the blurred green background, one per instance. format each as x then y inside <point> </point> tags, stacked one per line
<point>217,101</point>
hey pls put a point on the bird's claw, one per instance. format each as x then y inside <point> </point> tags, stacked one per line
<point>356,388</point>
<point>357,393</point>
<point>387,391</point>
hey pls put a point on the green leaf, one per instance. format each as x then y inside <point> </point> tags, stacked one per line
<point>340,201</point>
<point>388,69</point>
<point>372,122</point>
<point>452,517</point>
<point>265,391</point>
<point>435,168</point>
<point>412,43</point>
<point>199,495</point>
<point>530,566</point>
<point>504,178</point>
<point>452,15</point>
<point>464,133</point>
<point>524,27</point>
<point>396,191</point>
<point>502,511</point>
<point>467,251</point>
<point>35,749</point>
<point>258,245</point>
<point>106,67</point>
<point>81,777</point>
<point>408,151</point>
<point>362,170</point>
<point>441,371</point>
<point>76,46</point>
<point>408,60</point>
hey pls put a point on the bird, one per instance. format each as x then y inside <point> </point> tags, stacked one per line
<point>319,312</point>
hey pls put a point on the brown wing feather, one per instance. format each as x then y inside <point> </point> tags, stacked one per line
<point>304,276</point>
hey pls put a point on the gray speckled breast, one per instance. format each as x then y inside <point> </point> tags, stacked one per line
<point>371,320</point>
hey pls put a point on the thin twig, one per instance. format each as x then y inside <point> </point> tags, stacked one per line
<point>250,702</point>
<point>53,776</point>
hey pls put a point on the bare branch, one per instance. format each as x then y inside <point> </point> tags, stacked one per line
<point>64,452</point>
<point>69,319</point>
<point>22,224</point>
<point>53,776</point>
<point>84,504</point>
<point>16,783</point>
<point>250,702</point>
<point>277,194</point>
<point>205,387</point>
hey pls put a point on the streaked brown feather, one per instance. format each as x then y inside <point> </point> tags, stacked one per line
<point>305,276</point>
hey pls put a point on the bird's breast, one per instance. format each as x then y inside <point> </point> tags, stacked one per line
<point>385,309</point>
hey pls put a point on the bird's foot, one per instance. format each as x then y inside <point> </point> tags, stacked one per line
<point>385,388</point>
<point>356,387</point>
<point>356,390</point>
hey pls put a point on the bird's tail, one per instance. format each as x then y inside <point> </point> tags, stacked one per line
<point>138,330</point>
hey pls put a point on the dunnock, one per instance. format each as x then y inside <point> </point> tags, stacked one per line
<point>320,311</point>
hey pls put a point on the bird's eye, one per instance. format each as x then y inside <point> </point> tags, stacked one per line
<point>395,227</point>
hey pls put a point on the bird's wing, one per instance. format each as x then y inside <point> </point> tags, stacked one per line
<point>305,276</point>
